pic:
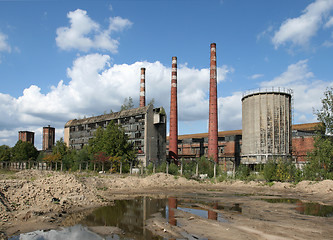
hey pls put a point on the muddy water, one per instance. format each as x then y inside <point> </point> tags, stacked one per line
<point>126,219</point>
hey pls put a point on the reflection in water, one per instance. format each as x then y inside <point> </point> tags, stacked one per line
<point>314,209</point>
<point>306,208</point>
<point>130,216</point>
<point>75,232</point>
<point>212,214</point>
<point>172,205</point>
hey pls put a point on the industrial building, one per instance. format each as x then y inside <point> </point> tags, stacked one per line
<point>144,126</point>
<point>26,136</point>
<point>48,138</point>
<point>230,145</point>
<point>266,125</point>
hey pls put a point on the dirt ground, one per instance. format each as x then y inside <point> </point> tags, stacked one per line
<point>35,200</point>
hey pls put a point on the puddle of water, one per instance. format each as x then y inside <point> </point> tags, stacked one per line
<point>306,208</point>
<point>74,232</point>
<point>314,209</point>
<point>130,216</point>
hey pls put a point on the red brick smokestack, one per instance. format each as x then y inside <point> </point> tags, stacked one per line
<point>143,88</point>
<point>173,136</point>
<point>212,131</point>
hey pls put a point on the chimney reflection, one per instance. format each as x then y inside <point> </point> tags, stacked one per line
<point>172,202</point>
<point>212,214</point>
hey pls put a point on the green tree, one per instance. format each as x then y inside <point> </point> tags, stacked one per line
<point>113,142</point>
<point>4,153</point>
<point>24,151</point>
<point>325,114</point>
<point>128,104</point>
<point>320,164</point>
<point>60,147</point>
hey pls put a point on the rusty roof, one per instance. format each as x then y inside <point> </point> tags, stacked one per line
<point>306,126</point>
<point>108,117</point>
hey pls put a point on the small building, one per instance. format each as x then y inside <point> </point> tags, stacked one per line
<point>26,136</point>
<point>48,138</point>
<point>144,126</point>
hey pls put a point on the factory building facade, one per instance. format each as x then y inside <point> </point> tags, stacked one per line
<point>145,127</point>
<point>48,138</point>
<point>26,136</point>
<point>230,145</point>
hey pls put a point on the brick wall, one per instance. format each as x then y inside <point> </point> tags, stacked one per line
<point>301,147</point>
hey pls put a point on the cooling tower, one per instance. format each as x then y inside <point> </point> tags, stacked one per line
<point>266,125</point>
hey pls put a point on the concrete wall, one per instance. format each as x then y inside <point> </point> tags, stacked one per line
<point>145,130</point>
<point>266,126</point>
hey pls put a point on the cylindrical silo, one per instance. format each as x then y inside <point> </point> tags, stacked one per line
<point>266,125</point>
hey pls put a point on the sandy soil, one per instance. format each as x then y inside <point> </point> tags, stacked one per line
<point>32,199</point>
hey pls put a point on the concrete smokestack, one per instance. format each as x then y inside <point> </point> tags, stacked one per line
<point>173,136</point>
<point>212,131</point>
<point>143,88</point>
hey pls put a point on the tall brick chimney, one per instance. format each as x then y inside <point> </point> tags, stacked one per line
<point>143,88</point>
<point>173,136</point>
<point>212,131</point>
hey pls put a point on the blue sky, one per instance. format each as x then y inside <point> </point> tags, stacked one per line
<point>61,60</point>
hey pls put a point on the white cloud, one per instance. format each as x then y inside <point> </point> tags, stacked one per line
<point>301,29</point>
<point>256,76</point>
<point>307,91</point>
<point>95,86</point>
<point>4,46</point>
<point>230,112</point>
<point>265,33</point>
<point>85,34</point>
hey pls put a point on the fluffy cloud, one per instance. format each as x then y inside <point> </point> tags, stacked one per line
<point>307,90</point>
<point>85,34</point>
<point>230,112</point>
<point>300,30</point>
<point>95,87</point>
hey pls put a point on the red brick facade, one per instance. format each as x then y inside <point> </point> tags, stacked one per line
<point>194,146</point>
<point>301,146</point>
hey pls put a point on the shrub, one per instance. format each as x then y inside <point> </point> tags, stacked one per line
<point>173,169</point>
<point>285,171</point>
<point>242,172</point>
<point>270,171</point>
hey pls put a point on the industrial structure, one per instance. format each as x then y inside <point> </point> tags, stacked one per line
<point>173,136</point>
<point>144,126</point>
<point>213,124</point>
<point>26,136</point>
<point>266,125</point>
<point>48,138</point>
<point>230,145</point>
<point>143,87</point>
<point>267,131</point>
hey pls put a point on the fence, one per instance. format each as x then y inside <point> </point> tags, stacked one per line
<point>195,168</point>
